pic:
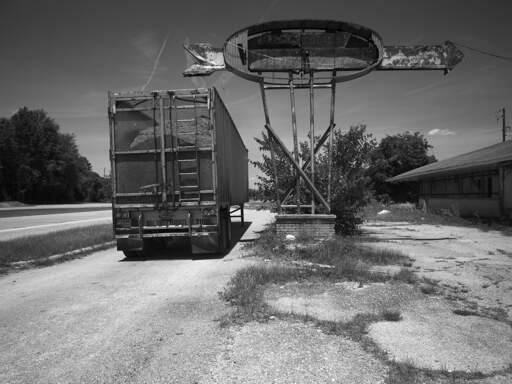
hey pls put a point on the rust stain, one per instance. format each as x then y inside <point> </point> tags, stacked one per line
<point>445,56</point>
<point>207,59</point>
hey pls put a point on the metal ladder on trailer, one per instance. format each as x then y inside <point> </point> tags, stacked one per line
<point>187,156</point>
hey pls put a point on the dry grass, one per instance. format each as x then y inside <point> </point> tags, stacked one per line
<point>347,261</point>
<point>390,315</point>
<point>350,260</point>
<point>42,246</point>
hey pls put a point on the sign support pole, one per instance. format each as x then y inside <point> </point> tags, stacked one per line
<point>331,124</point>
<point>295,142</point>
<point>271,143</point>
<point>312,134</point>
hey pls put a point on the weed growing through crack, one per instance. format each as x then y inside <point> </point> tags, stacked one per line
<point>245,290</point>
<point>391,315</point>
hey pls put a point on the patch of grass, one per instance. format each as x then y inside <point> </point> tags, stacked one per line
<point>407,373</point>
<point>428,286</point>
<point>345,248</point>
<point>350,259</point>
<point>391,315</point>
<point>245,290</point>
<point>405,275</point>
<point>42,246</point>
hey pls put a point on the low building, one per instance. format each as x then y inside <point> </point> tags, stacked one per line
<point>477,183</point>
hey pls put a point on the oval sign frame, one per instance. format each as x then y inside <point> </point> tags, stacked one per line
<point>289,37</point>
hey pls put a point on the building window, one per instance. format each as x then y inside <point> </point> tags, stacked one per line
<point>489,187</point>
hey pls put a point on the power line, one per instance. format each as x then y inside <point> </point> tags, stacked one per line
<point>507,58</point>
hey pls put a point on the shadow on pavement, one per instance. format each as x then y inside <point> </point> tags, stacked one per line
<point>180,249</point>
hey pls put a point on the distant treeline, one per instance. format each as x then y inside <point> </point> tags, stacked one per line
<point>39,164</point>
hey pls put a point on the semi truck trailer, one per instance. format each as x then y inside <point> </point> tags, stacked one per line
<point>179,170</point>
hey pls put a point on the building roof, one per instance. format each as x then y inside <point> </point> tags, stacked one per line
<point>480,159</point>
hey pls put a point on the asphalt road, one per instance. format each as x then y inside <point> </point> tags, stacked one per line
<point>102,319</point>
<point>26,225</point>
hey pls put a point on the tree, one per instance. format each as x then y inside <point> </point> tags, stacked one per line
<point>351,158</point>
<point>40,164</point>
<point>286,174</point>
<point>394,155</point>
<point>8,159</point>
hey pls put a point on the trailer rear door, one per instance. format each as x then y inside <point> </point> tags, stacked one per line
<point>161,148</point>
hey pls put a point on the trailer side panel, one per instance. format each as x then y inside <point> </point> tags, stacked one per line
<point>232,156</point>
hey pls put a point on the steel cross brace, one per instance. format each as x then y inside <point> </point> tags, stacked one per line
<point>320,143</point>
<point>273,137</point>
<point>305,165</point>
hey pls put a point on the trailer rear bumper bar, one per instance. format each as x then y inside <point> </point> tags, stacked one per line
<point>171,234</point>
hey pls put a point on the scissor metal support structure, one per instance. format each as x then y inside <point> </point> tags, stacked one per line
<point>300,171</point>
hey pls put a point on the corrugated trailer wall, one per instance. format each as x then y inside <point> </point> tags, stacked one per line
<point>232,156</point>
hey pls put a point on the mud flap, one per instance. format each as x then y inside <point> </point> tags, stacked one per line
<point>205,244</point>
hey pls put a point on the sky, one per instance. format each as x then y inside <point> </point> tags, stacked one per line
<point>64,56</point>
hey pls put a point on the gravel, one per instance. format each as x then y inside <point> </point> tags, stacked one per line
<point>293,352</point>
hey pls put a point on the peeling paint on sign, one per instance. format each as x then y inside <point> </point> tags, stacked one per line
<point>444,56</point>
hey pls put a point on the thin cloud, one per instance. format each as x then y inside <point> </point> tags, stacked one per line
<point>440,132</point>
<point>155,66</point>
<point>147,45</point>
